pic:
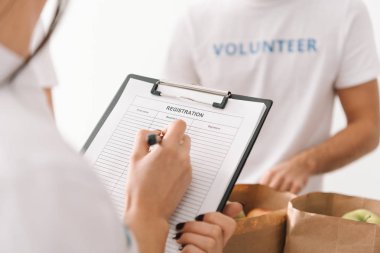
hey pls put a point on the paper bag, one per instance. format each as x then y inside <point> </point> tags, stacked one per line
<point>263,234</point>
<point>315,226</point>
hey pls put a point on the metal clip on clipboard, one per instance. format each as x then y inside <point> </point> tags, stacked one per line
<point>225,94</point>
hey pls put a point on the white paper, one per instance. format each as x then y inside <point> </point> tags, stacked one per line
<point>218,141</point>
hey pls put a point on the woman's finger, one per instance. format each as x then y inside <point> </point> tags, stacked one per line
<point>227,224</point>
<point>202,242</point>
<point>141,147</point>
<point>185,143</point>
<point>203,228</point>
<point>232,209</point>
<point>192,249</point>
<point>174,134</point>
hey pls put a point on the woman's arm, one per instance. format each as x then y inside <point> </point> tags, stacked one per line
<point>157,181</point>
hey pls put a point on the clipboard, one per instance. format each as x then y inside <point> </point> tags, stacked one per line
<point>215,100</point>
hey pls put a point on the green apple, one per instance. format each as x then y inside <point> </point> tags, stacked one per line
<point>362,215</point>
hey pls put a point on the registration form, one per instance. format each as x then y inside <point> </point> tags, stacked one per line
<point>221,140</point>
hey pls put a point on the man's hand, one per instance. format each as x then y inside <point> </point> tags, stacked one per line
<point>291,176</point>
<point>361,135</point>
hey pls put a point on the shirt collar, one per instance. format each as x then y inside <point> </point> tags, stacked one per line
<point>9,61</point>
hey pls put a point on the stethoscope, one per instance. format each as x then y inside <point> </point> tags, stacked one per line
<point>58,13</point>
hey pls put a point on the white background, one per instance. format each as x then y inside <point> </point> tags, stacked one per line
<point>101,41</point>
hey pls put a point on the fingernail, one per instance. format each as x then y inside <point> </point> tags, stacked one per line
<point>180,226</point>
<point>177,236</point>
<point>200,217</point>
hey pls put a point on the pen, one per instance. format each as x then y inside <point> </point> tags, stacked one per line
<point>155,138</point>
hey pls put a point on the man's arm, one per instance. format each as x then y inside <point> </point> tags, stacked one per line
<point>361,135</point>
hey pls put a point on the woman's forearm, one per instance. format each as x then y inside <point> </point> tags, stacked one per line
<point>150,233</point>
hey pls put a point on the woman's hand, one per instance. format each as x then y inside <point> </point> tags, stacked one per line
<point>210,232</point>
<point>157,181</point>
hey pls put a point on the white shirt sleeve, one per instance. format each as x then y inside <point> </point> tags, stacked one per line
<point>180,65</point>
<point>43,70</point>
<point>359,60</point>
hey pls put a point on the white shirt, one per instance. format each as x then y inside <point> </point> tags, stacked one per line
<point>51,200</point>
<point>295,52</point>
<point>42,65</point>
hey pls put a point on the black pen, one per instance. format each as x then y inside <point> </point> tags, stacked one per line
<point>156,138</point>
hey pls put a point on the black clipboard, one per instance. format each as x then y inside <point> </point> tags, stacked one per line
<point>221,105</point>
